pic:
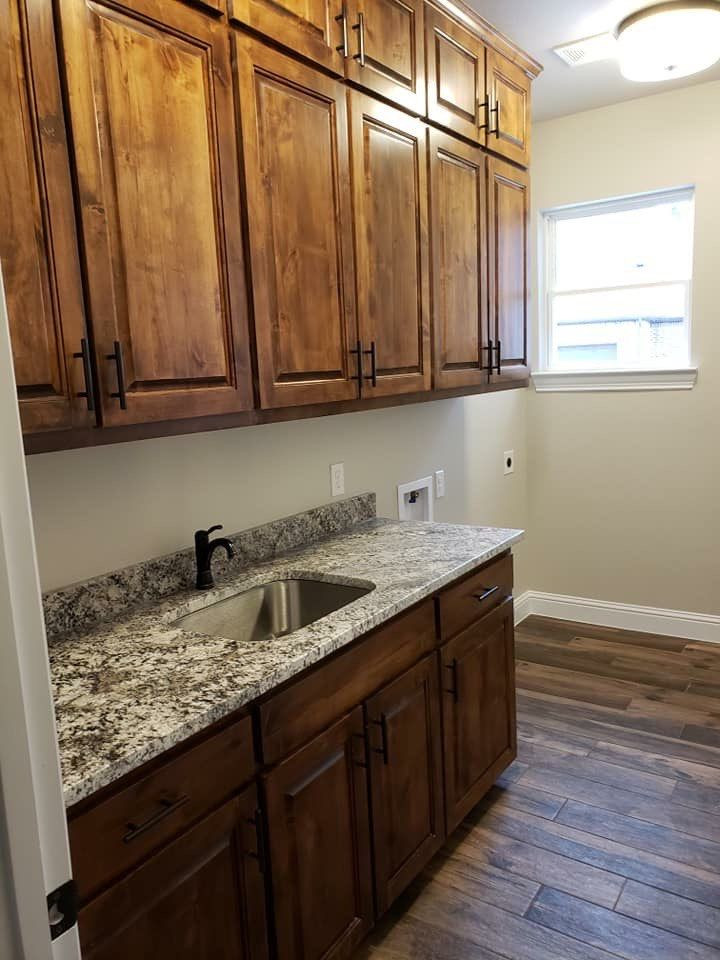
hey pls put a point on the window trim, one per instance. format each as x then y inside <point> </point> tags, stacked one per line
<point>550,379</point>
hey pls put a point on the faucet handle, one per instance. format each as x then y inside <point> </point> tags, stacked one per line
<point>217,526</point>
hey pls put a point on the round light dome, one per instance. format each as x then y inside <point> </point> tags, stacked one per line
<point>669,40</point>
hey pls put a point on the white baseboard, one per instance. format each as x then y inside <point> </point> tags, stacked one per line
<point>624,616</point>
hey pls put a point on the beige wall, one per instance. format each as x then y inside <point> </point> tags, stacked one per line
<point>99,509</point>
<point>624,491</point>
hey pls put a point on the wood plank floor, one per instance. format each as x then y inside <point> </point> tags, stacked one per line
<point>603,838</point>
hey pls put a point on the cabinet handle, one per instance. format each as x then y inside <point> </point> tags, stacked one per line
<point>496,111</point>
<point>490,349</point>
<point>357,351</point>
<point>487,592</point>
<point>484,105</point>
<point>259,853</point>
<point>341,18</point>
<point>499,357</point>
<point>167,807</point>
<point>363,738</point>
<point>384,750</point>
<point>372,352</point>
<point>117,356</point>
<point>360,27</point>
<point>89,391</point>
<point>452,667</point>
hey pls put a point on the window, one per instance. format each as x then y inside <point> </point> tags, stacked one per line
<point>618,278</point>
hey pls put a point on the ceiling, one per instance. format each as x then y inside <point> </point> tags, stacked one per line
<point>539,25</point>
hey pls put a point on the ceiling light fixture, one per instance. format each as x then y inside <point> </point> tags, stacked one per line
<point>669,40</point>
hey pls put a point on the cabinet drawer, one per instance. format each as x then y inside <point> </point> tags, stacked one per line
<point>474,596</point>
<point>122,830</point>
<point>299,712</point>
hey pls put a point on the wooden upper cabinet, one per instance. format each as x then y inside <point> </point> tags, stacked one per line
<point>295,147</point>
<point>478,669</point>
<point>38,244</point>
<point>151,106</point>
<point>316,29</point>
<point>389,163</point>
<point>200,898</point>
<point>406,778</point>
<point>386,50</point>
<point>319,833</point>
<point>508,216</point>
<point>458,216</point>
<point>509,97</point>
<point>456,93</point>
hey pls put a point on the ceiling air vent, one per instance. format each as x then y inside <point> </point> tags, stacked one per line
<point>603,46</point>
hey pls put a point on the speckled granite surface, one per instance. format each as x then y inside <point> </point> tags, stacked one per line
<point>73,610</point>
<point>126,693</point>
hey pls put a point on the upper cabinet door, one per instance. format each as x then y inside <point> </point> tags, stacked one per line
<point>316,29</point>
<point>509,216</point>
<point>389,163</point>
<point>295,146</point>
<point>38,245</point>
<point>386,50</point>
<point>458,206</point>
<point>509,94</point>
<point>151,106</point>
<point>456,92</point>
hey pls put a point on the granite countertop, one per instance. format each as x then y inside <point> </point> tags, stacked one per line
<point>126,692</point>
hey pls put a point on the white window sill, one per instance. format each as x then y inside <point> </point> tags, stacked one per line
<point>584,381</point>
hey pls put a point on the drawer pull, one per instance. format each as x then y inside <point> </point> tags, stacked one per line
<point>488,592</point>
<point>382,723</point>
<point>453,690</point>
<point>167,807</point>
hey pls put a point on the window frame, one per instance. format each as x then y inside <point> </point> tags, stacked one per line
<point>655,377</point>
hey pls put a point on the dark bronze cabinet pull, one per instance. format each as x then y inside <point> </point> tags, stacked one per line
<point>384,750</point>
<point>453,690</point>
<point>117,356</point>
<point>373,363</point>
<point>259,852</point>
<point>360,27</point>
<point>490,349</point>
<point>167,807</point>
<point>496,111</point>
<point>357,351</point>
<point>89,391</point>
<point>363,738</point>
<point>499,356</point>
<point>487,592</point>
<point>484,105</point>
<point>341,18</point>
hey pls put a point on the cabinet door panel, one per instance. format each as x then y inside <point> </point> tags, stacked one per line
<point>406,778</point>
<point>509,89</point>
<point>200,898</point>
<point>152,115</point>
<point>387,50</point>
<point>313,28</point>
<point>455,77</point>
<point>479,710</point>
<point>38,245</point>
<point>391,241</point>
<point>298,185</point>
<point>320,845</point>
<point>458,191</point>
<point>509,218</point>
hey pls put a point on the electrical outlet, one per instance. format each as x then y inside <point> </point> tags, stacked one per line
<point>337,479</point>
<point>509,462</point>
<point>439,483</point>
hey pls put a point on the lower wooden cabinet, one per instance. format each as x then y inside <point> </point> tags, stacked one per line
<point>405,778</point>
<point>200,898</point>
<point>478,710</point>
<point>319,826</point>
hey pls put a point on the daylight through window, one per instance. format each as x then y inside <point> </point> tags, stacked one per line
<point>618,283</point>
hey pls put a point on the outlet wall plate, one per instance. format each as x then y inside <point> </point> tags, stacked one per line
<point>337,479</point>
<point>508,462</point>
<point>439,483</point>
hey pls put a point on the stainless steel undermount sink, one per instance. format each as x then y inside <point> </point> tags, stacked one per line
<point>271,610</point>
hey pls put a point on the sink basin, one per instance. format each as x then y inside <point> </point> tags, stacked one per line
<point>271,610</point>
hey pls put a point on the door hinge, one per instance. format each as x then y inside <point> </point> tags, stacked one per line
<point>62,909</point>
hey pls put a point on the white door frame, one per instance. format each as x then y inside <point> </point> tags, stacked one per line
<point>29,764</point>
